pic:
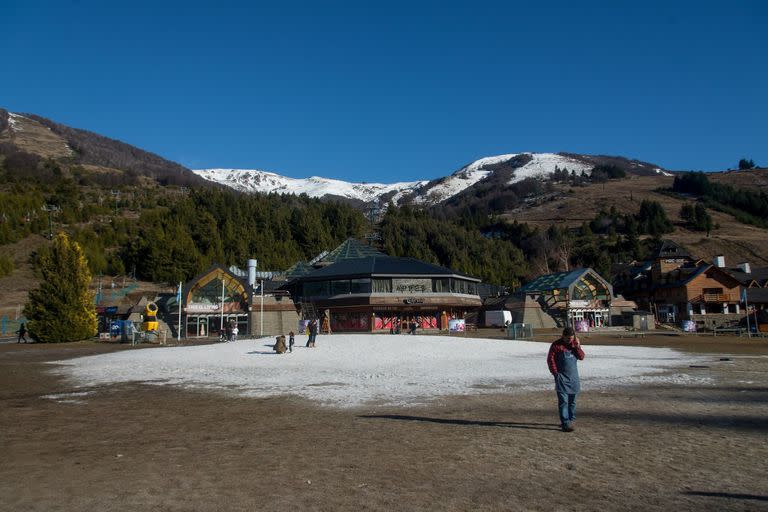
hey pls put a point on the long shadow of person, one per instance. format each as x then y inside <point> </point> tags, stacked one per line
<point>453,421</point>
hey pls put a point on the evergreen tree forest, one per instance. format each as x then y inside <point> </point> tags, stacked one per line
<point>216,226</point>
<point>417,234</point>
<point>697,217</point>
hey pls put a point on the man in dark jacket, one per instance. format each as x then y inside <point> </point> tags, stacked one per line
<point>561,360</point>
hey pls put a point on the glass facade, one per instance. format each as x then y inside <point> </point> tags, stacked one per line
<point>385,285</point>
<point>204,305</point>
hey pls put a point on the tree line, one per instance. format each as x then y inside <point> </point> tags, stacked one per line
<point>748,206</point>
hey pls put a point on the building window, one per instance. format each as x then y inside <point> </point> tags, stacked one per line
<point>382,285</point>
<point>340,287</point>
<point>459,286</point>
<point>440,285</point>
<point>360,286</point>
<point>316,289</point>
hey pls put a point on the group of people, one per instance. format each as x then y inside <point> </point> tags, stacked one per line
<point>230,332</point>
<point>281,347</point>
<point>397,324</point>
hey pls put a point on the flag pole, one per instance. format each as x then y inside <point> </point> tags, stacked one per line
<point>221,324</point>
<point>746,306</point>
<point>178,299</point>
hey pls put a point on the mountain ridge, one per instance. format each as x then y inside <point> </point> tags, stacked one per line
<point>515,167</point>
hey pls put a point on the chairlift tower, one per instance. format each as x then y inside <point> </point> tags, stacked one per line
<point>51,209</point>
<point>374,209</point>
<point>116,194</point>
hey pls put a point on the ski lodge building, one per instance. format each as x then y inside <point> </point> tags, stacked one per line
<point>355,287</point>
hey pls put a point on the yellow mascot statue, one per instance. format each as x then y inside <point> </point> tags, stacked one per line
<point>150,318</point>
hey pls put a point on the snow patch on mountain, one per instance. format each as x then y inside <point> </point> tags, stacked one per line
<point>15,120</point>
<point>542,165</point>
<point>451,185</point>
<point>254,180</point>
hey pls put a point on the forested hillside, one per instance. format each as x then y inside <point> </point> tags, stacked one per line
<point>137,214</point>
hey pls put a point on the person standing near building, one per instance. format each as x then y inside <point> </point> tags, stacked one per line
<point>312,333</point>
<point>235,330</point>
<point>562,362</point>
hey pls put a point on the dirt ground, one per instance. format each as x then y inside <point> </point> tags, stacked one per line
<point>139,447</point>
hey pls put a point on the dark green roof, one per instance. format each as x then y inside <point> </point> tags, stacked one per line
<point>555,281</point>
<point>299,269</point>
<point>380,266</point>
<point>349,249</point>
<point>582,283</point>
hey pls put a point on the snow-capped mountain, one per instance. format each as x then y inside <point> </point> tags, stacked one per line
<point>511,168</point>
<point>247,180</point>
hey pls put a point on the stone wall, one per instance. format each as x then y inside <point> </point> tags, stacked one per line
<point>275,322</point>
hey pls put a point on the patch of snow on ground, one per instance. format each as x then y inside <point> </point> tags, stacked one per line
<point>357,369</point>
<point>68,398</point>
<point>543,164</point>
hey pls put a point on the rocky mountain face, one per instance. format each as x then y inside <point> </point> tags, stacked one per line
<point>497,171</point>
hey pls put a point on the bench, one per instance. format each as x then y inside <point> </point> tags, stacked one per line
<point>727,330</point>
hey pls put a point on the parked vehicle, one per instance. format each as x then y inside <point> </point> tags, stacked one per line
<point>498,318</point>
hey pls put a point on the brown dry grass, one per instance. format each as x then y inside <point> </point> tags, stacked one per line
<point>138,447</point>
<point>736,241</point>
<point>15,287</point>
<point>33,137</point>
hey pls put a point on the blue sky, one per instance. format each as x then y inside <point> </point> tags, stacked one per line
<point>391,91</point>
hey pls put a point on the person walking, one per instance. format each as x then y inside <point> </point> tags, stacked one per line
<point>290,341</point>
<point>235,330</point>
<point>22,333</point>
<point>562,362</point>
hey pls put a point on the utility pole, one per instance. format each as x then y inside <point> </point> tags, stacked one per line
<point>261,312</point>
<point>178,301</point>
<point>51,209</point>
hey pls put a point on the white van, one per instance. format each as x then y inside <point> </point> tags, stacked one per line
<point>498,318</point>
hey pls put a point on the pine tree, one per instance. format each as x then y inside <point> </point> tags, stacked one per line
<point>62,308</point>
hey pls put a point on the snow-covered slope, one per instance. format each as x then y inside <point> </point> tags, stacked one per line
<point>515,166</point>
<point>544,164</point>
<point>247,180</point>
<point>534,165</point>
